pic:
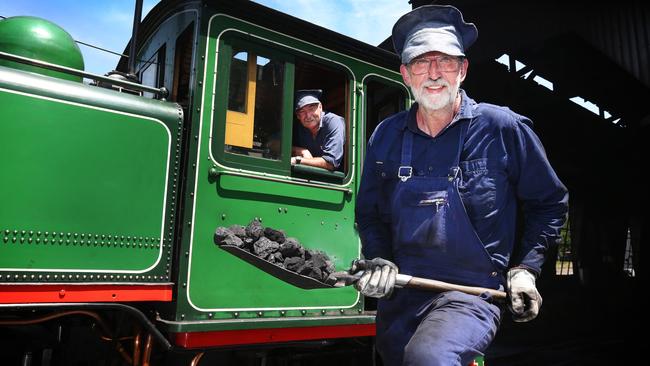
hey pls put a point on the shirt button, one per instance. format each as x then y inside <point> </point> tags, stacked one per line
<point>494,274</point>
<point>383,174</point>
<point>430,168</point>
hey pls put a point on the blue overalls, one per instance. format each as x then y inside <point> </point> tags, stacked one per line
<point>434,238</point>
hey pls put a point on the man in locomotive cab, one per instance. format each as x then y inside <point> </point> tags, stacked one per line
<point>321,134</point>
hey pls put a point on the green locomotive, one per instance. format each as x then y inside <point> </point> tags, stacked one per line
<point>111,192</point>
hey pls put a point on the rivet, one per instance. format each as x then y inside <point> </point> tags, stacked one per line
<point>303,312</point>
<point>259,313</point>
<point>283,313</point>
<point>210,315</point>
<point>223,216</point>
<point>236,314</point>
<point>322,311</point>
<point>187,254</point>
<point>182,316</point>
<point>184,284</point>
<point>342,311</point>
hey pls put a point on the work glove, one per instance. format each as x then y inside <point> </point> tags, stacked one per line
<point>525,300</point>
<point>378,279</point>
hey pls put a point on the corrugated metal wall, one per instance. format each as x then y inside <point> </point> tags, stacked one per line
<point>622,32</point>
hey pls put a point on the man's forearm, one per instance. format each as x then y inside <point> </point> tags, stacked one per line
<point>317,162</point>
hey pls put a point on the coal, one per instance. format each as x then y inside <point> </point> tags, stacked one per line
<point>254,229</point>
<point>277,236</point>
<point>224,236</point>
<point>275,247</point>
<point>264,246</point>
<point>292,248</point>
<point>238,230</point>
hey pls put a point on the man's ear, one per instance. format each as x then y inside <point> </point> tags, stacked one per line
<point>405,74</point>
<point>463,70</point>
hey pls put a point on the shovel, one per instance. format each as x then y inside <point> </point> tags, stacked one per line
<point>341,279</point>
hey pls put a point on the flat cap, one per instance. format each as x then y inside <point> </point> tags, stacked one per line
<point>306,96</point>
<point>432,28</point>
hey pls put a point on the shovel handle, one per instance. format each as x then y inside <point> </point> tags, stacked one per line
<point>427,284</point>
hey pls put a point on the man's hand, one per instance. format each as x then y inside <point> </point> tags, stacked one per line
<point>378,279</point>
<point>525,300</point>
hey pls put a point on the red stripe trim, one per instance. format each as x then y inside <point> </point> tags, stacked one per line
<point>15,294</point>
<point>271,335</point>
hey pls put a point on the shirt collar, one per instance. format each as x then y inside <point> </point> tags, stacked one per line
<point>467,111</point>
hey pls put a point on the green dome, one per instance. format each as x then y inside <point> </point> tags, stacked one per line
<point>42,40</point>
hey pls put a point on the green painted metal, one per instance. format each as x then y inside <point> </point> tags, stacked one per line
<point>42,40</point>
<point>218,290</point>
<point>85,180</point>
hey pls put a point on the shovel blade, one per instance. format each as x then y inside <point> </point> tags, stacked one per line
<point>283,274</point>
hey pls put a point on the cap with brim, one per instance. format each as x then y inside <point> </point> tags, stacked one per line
<point>432,28</point>
<point>305,97</point>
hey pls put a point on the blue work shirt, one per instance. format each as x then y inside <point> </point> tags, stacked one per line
<point>329,140</point>
<point>502,162</point>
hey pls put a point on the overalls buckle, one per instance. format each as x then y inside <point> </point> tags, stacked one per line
<point>404,173</point>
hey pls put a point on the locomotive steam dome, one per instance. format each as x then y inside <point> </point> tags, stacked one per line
<point>42,40</point>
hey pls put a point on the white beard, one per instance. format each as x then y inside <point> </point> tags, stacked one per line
<point>434,103</point>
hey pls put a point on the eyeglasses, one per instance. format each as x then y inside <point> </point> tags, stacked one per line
<point>443,63</point>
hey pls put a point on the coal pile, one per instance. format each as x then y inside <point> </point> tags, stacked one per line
<point>275,247</point>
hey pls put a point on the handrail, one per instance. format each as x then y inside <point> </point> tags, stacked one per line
<point>213,173</point>
<point>163,93</point>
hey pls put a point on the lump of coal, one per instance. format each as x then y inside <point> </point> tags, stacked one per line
<point>263,247</point>
<point>321,260</point>
<point>277,236</point>
<point>294,263</point>
<point>223,236</point>
<point>238,230</point>
<point>255,229</point>
<point>275,258</point>
<point>292,248</point>
<point>310,271</point>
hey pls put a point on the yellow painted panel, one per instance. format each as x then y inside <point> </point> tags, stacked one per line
<point>239,126</point>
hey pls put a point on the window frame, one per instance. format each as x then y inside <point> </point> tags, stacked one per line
<point>221,93</point>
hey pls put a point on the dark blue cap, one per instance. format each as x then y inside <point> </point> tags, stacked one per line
<point>306,96</point>
<point>432,28</point>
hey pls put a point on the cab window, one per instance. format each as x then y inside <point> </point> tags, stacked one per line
<point>255,125</point>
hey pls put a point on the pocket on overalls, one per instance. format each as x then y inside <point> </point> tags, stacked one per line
<point>477,189</point>
<point>420,222</point>
<point>387,173</point>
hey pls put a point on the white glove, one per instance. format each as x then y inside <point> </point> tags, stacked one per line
<point>525,300</point>
<point>378,279</point>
